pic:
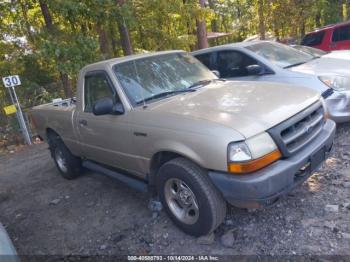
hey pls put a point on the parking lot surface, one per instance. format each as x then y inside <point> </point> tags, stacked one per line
<point>94,215</point>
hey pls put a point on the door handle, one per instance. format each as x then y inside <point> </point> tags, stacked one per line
<point>83,122</point>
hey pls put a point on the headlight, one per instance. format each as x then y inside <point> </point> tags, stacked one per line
<point>239,152</point>
<point>338,83</point>
<point>252,154</point>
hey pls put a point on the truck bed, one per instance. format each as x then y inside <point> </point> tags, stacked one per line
<point>57,115</point>
<point>57,103</point>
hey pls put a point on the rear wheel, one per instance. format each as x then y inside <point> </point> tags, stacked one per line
<point>68,164</point>
<point>190,198</point>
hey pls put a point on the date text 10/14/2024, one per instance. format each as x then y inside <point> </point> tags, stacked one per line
<point>173,258</point>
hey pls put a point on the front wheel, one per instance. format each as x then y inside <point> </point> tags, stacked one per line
<point>190,198</point>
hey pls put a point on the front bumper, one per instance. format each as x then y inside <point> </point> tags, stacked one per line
<point>266,185</point>
<point>338,106</point>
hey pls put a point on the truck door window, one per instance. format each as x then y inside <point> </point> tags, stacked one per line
<point>96,87</point>
<point>234,63</point>
<point>313,39</point>
<point>341,34</point>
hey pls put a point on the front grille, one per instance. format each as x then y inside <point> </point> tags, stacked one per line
<point>295,133</point>
<point>299,133</point>
<point>327,93</point>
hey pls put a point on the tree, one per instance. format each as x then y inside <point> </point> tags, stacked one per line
<point>103,41</point>
<point>47,16</point>
<point>123,30</point>
<point>202,30</point>
<point>49,26</point>
<point>214,22</point>
<point>48,42</point>
<point>261,19</point>
<point>60,37</point>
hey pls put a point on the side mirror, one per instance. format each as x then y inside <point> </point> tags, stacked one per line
<point>105,106</point>
<point>255,70</point>
<point>216,72</point>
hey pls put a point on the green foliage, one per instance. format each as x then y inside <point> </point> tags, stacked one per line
<point>70,52</point>
<point>82,32</point>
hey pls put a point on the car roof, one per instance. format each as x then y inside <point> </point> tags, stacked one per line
<point>119,60</point>
<point>327,27</point>
<point>238,45</point>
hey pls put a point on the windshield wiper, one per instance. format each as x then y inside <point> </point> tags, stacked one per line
<point>165,94</point>
<point>296,64</point>
<point>199,83</point>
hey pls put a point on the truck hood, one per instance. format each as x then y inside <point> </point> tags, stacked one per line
<point>324,66</point>
<point>248,107</point>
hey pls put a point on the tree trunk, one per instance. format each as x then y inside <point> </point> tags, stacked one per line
<point>103,41</point>
<point>302,29</point>
<point>113,39</point>
<point>67,88</point>
<point>318,19</point>
<point>214,22</point>
<point>124,33</point>
<point>47,15</point>
<point>261,19</point>
<point>49,26</point>
<point>125,38</point>
<point>277,34</point>
<point>202,40</point>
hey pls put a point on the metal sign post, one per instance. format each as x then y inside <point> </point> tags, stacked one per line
<point>10,82</point>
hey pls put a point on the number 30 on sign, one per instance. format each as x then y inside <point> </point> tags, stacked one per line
<point>11,81</point>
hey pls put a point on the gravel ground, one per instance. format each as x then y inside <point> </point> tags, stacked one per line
<point>94,215</point>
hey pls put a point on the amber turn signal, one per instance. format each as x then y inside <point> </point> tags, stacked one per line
<point>254,165</point>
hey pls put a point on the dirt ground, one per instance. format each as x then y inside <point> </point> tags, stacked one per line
<point>46,214</point>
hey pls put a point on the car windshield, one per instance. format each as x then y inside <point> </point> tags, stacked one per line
<point>310,50</point>
<point>160,76</point>
<point>281,55</point>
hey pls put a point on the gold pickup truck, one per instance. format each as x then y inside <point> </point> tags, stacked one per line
<point>164,123</point>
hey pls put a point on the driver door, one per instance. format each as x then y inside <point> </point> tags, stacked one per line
<point>104,138</point>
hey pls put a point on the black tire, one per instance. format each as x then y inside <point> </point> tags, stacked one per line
<point>59,152</point>
<point>211,205</point>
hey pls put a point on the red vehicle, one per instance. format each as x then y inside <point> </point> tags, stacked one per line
<point>329,38</point>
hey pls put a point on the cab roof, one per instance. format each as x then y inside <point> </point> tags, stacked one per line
<point>231,45</point>
<point>118,60</point>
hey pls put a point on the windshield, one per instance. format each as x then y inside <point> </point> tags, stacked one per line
<point>310,50</point>
<point>145,78</point>
<point>281,55</point>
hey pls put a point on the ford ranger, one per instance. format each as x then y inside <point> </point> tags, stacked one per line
<point>165,124</point>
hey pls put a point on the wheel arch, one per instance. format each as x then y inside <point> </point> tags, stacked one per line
<point>50,134</point>
<point>51,137</point>
<point>161,157</point>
